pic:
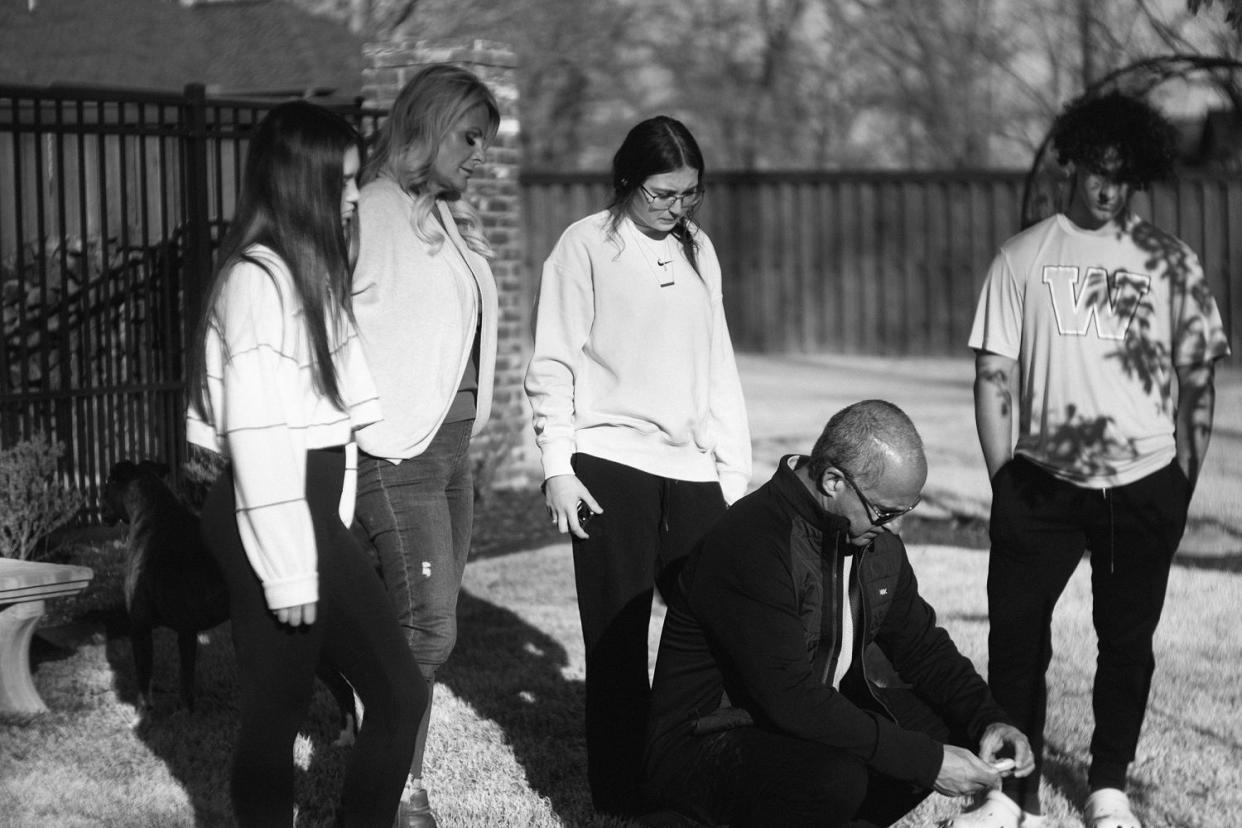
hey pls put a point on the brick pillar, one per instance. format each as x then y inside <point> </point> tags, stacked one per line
<point>504,454</point>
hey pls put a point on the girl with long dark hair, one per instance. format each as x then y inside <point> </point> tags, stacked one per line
<point>639,415</point>
<point>278,385</point>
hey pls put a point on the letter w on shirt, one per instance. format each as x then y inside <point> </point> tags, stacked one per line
<point>1111,302</point>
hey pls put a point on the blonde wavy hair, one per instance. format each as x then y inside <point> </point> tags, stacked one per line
<point>425,111</point>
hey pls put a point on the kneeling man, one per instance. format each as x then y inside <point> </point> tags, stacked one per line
<point>801,679</point>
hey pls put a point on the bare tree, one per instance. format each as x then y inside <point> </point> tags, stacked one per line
<point>763,82</point>
<point>367,18</point>
<point>935,65</point>
<point>805,83</point>
<point>1233,13</point>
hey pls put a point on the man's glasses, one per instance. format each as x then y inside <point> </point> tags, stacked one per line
<point>876,514</point>
<point>662,201</point>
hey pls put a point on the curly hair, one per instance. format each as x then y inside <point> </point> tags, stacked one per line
<point>1143,139</point>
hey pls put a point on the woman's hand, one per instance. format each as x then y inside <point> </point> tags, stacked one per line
<point>297,616</point>
<point>562,494</point>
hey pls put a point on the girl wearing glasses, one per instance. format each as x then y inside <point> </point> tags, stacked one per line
<point>639,415</point>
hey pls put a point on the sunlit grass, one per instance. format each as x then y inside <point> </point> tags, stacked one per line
<point>506,746</point>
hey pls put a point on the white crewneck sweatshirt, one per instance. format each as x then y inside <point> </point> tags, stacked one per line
<point>632,360</point>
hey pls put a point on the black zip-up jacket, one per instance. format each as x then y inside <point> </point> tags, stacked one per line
<point>743,646</point>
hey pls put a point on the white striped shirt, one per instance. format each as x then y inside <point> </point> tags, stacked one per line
<point>265,414</point>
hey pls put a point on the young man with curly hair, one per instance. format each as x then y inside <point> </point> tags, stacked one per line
<point>1100,330</point>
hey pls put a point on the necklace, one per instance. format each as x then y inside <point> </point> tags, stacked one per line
<point>660,261</point>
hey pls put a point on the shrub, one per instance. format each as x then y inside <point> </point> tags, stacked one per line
<point>33,501</point>
<point>197,474</point>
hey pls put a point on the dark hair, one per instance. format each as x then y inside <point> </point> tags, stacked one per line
<point>656,145</point>
<point>1144,140</point>
<point>857,439</point>
<point>290,202</point>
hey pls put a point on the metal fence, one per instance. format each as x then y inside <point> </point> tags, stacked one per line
<point>111,204</point>
<point>881,262</point>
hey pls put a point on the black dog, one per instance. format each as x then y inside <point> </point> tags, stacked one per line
<point>171,580</point>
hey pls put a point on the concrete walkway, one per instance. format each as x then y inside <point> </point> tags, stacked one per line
<point>790,397</point>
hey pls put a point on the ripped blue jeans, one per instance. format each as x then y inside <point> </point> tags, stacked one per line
<point>418,515</point>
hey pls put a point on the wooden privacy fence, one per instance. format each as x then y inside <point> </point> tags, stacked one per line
<point>880,262</point>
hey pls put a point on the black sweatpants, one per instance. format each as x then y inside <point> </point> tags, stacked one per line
<point>750,777</point>
<point>355,633</point>
<point>648,526</point>
<point>1040,527</point>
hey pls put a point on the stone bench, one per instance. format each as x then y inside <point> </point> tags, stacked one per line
<point>24,586</point>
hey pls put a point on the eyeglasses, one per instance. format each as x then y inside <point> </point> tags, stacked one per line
<point>662,201</point>
<point>876,514</point>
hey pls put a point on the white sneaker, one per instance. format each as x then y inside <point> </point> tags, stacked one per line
<point>995,811</point>
<point>1110,808</point>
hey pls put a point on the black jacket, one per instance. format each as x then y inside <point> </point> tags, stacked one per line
<point>740,643</point>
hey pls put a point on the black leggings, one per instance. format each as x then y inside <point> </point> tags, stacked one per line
<point>355,633</point>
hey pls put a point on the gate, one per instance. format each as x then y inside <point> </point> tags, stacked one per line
<point>111,205</point>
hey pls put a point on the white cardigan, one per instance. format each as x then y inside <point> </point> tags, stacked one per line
<point>265,414</point>
<point>417,313</point>
<point>633,371</point>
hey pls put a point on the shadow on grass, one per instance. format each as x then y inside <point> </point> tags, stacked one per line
<point>197,746</point>
<point>1212,562</point>
<point>1208,545</point>
<point>512,674</point>
<point>1065,773</point>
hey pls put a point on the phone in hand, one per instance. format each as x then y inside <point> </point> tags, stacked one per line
<point>584,514</point>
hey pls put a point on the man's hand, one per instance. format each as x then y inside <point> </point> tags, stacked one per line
<point>1002,739</point>
<point>962,773</point>
<point>562,494</point>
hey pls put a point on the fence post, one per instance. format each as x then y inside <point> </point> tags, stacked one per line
<point>196,231</point>
<point>196,239</point>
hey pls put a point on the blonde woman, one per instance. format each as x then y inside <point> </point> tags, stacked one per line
<point>426,308</point>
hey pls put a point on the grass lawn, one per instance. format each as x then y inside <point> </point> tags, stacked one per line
<point>506,746</point>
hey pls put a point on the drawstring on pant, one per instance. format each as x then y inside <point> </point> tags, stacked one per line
<point>1112,534</point>
<point>664,499</point>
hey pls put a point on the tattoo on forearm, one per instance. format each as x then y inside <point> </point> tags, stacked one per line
<point>999,380</point>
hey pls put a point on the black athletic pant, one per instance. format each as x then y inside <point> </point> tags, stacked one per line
<point>355,633</point>
<point>1040,527</point>
<point>750,777</point>
<point>648,526</point>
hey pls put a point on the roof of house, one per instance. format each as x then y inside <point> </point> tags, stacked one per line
<point>260,45</point>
